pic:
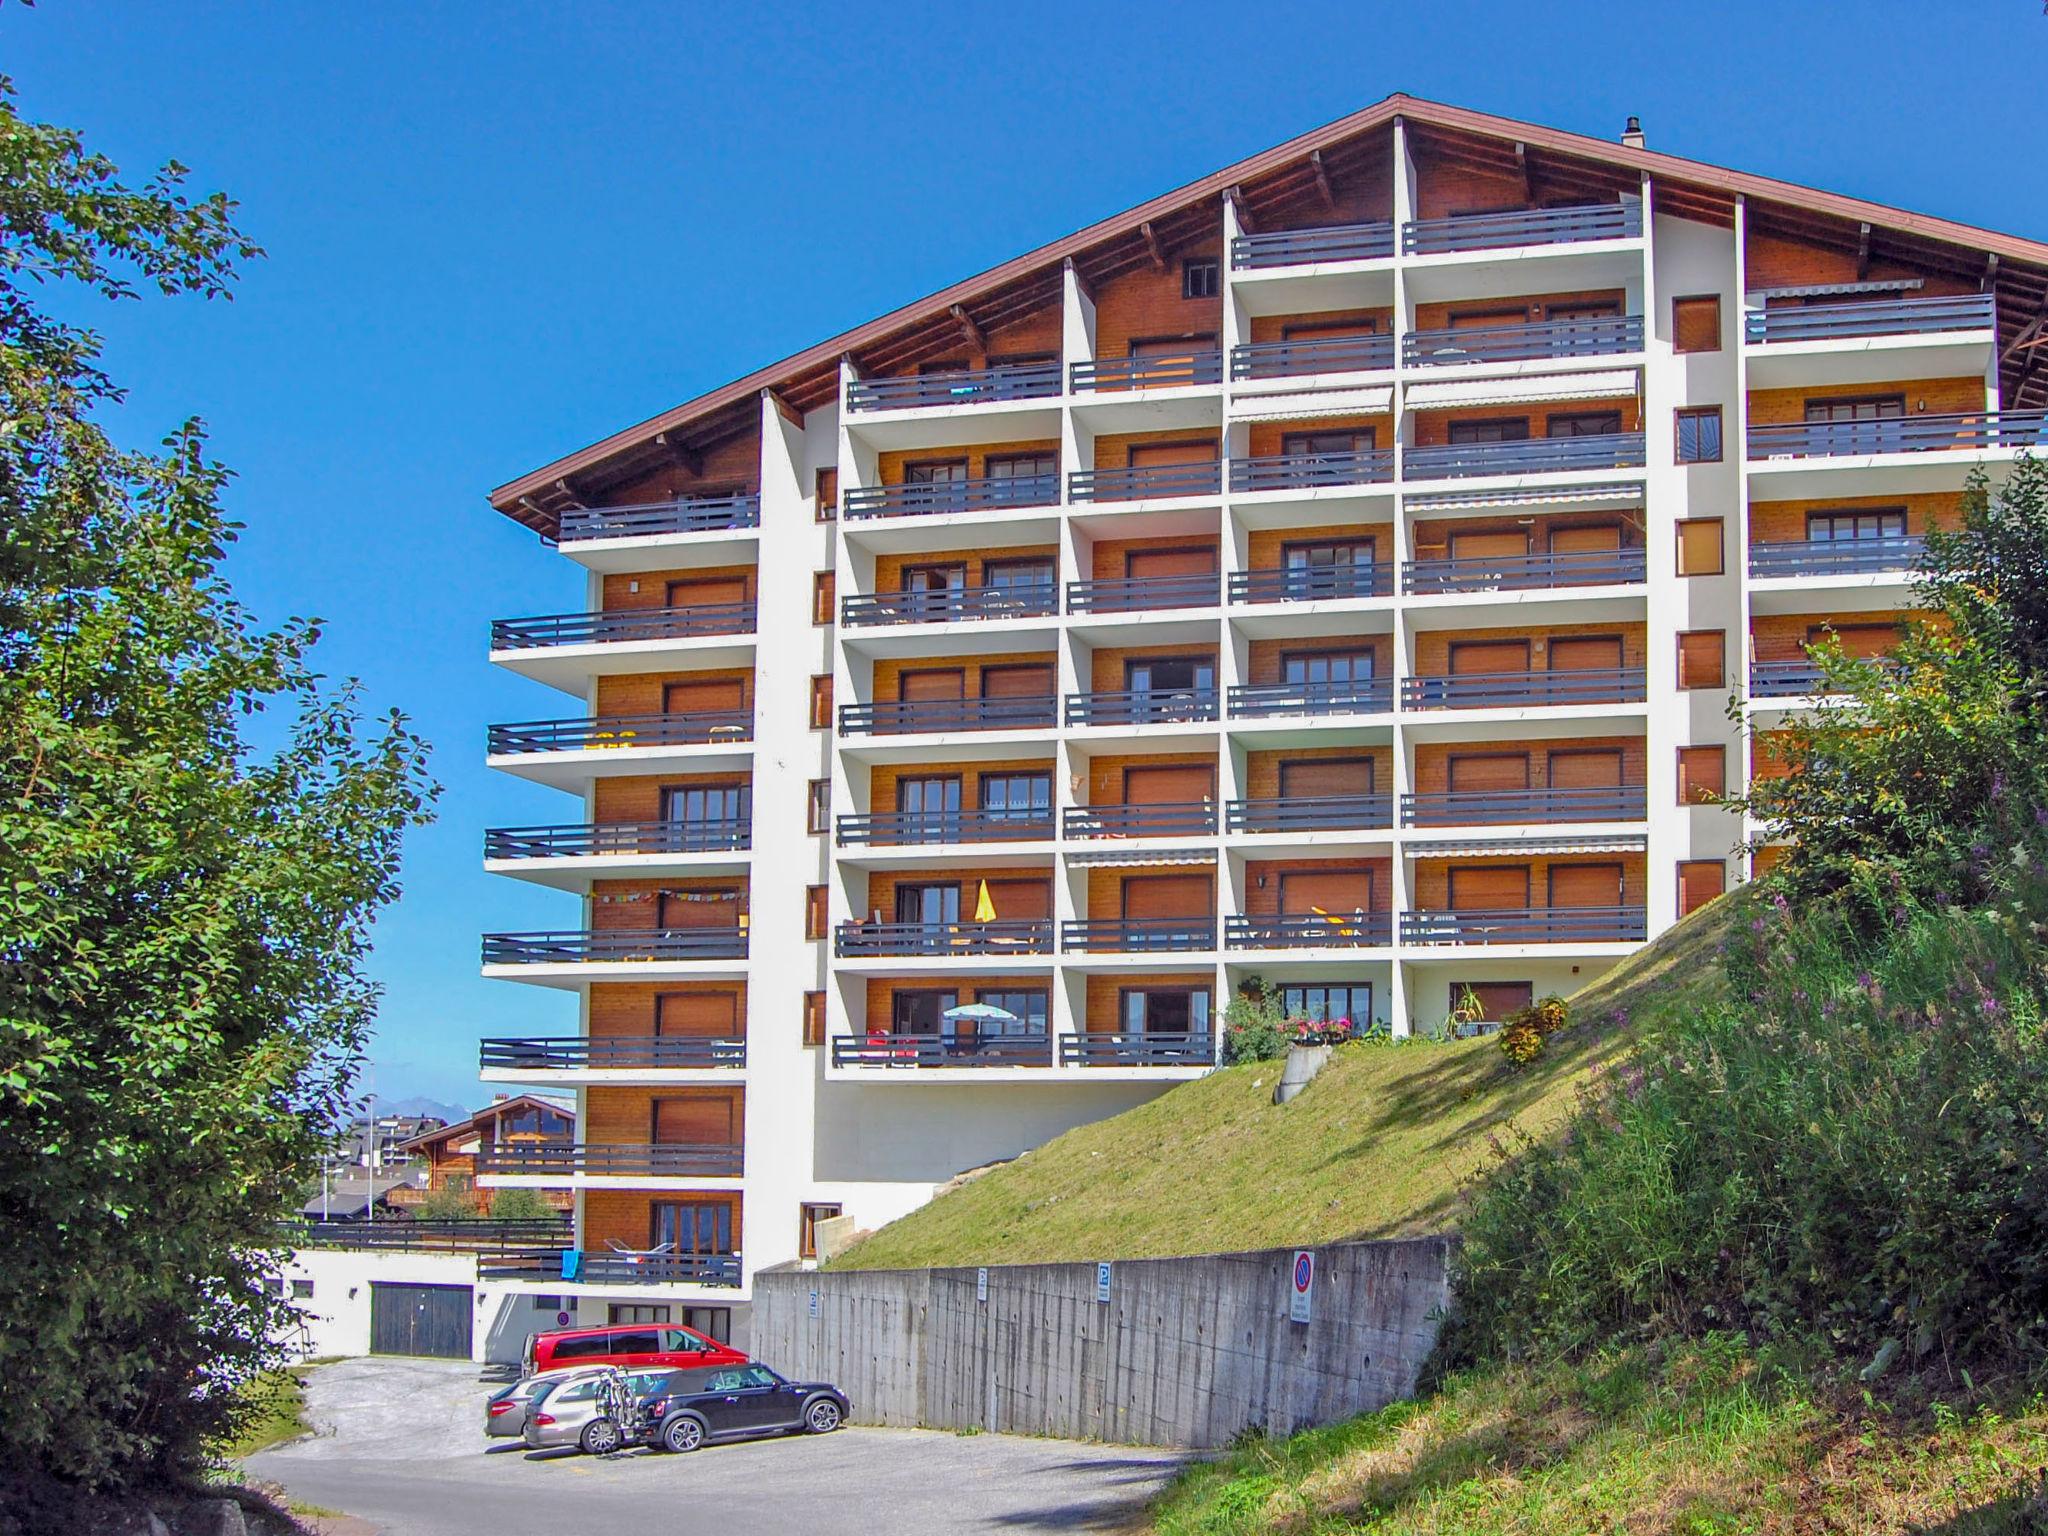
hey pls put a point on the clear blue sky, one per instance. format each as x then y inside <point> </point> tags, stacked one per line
<point>497,232</point>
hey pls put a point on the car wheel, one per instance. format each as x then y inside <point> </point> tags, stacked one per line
<point>683,1434</point>
<point>822,1416</point>
<point>600,1437</point>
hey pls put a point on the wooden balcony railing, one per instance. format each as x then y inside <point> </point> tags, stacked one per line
<point>1130,1048</point>
<point>966,386</point>
<point>1291,359</point>
<point>1311,471</point>
<point>1837,557</point>
<point>652,1159</point>
<point>687,514</point>
<point>1144,594</point>
<point>631,624</point>
<point>1529,226</point>
<point>1314,930</point>
<point>1022,936</point>
<point>1898,434</point>
<point>1106,373</point>
<point>1313,583</point>
<point>591,838</point>
<point>1544,341</point>
<point>1498,690</point>
<point>1518,573</point>
<point>1146,482</point>
<point>606,732</point>
<point>482,1236</point>
<point>1802,678</point>
<point>1526,925</point>
<point>937,1051</point>
<point>1298,247</point>
<point>1531,456</point>
<point>578,1053</point>
<point>956,606</point>
<point>582,946</point>
<point>904,717</point>
<point>892,829</point>
<point>1163,706</point>
<point>1137,934</point>
<point>1194,818</point>
<point>1265,701</point>
<point>1314,813</point>
<point>1874,317</point>
<point>989,493</point>
<point>1504,807</point>
<point>581,1267</point>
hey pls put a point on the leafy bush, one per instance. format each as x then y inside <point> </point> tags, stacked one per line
<point>520,1205</point>
<point>1253,1029</point>
<point>455,1202</point>
<point>1523,1032</point>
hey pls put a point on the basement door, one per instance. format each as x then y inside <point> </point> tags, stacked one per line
<point>430,1320</point>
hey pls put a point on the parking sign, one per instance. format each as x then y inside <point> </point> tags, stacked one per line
<point>981,1285</point>
<point>1102,1282</point>
<point>1302,1286</point>
<point>814,1303</point>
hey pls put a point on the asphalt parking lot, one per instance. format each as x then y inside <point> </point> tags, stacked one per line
<point>400,1444</point>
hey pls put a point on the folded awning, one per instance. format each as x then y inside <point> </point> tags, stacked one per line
<point>1611,384</point>
<point>1301,404</point>
<point>1486,847</point>
<point>1136,858</point>
<point>1622,491</point>
<point>1827,290</point>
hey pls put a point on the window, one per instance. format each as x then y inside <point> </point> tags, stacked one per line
<point>821,703</point>
<point>815,909</point>
<point>302,1290</point>
<point>825,492</point>
<point>692,1226</point>
<point>1022,466</point>
<point>1325,1001</point>
<point>921,1011</point>
<point>1699,435</point>
<point>1700,546</point>
<point>824,584</point>
<point>1702,775</point>
<point>1699,882</point>
<point>711,1322</point>
<point>1583,424</point>
<point>818,809</point>
<point>583,1348</point>
<point>1506,429</point>
<point>1702,659</point>
<point>1876,523</point>
<point>928,905</point>
<point>1496,999</point>
<point>1857,408</point>
<point>1200,277</point>
<point>1171,674</point>
<point>543,1302</point>
<point>1295,445</point>
<point>809,1214</point>
<point>1326,668</point>
<point>814,1018</point>
<point>1164,1010</point>
<point>637,1312</point>
<point>1022,575</point>
<point>1032,1008</point>
<point>1696,323</point>
<point>1016,796</point>
<point>704,815</point>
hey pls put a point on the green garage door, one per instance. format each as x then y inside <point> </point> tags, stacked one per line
<point>421,1320</point>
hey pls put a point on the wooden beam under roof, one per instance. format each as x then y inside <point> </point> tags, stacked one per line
<point>1322,174</point>
<point>968,328</point>
<point>1152,245</point>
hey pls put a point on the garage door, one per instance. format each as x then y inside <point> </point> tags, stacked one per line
<point>421,1320</point>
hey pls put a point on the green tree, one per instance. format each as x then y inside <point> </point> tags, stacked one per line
<point>183,919</point>
<point>520,1205</point>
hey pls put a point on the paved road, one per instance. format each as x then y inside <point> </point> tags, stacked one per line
<point>400,1443</point>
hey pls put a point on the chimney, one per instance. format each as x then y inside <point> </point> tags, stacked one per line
<point>1632,135</point>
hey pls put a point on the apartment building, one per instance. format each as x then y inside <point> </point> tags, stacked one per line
<point>1336,571</point>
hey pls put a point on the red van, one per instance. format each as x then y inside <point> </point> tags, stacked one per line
<point>636,1344</point>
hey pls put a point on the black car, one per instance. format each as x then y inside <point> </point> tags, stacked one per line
<point>736,1402</point>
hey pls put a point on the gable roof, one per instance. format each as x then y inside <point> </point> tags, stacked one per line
<point>1273,178</point>
<point>491,1111</point>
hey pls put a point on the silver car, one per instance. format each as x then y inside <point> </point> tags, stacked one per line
<point>505,1413</point>
<point>581,1408</point>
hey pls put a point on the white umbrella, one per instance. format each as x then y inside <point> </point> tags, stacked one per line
<point>980,1013</point>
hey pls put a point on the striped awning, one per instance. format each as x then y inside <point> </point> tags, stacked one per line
<point>1485,847</point>
<point>1609,384</point>
<point>1825,290</point>
<point>1138,858</point>
<point>1465,501</point>
<point>1301,404</point>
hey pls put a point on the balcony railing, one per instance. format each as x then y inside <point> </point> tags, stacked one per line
<point>1297,247</point>
<point>1149,372</point>
<point>1529,226</point>
<point>1314,930</point>
<point>688,514</point>
<point>1545,341</point>
<point>1313,583</point>
<point>1193,818</point>
<point>1837,557</point>
<point>580,1267</point>
<point>990,493</point>
<point>1263,701</point>
<point>967,386</point>
<point>1521,573</point>
<point>657,1159</point>
<point>901,828</point>
<point>1019,936</point>
<point>1898,434</point>
<point>577,1053</point>
<point>1144,594</point>
<point>1290,359</point>
<point>1530,456</point>
<point>1128,1048</point>
<point>880,1050</point>
<point>1526,925</point>
<point>951,607</point>
<point>1311,471</point>
<point>1876,317</point>
<point>1786,679</point>
<point>587,839</point>
<point>903,717</point>
<point>1315,813</point>
<point>1496,690</point>
<point>1161,706</point>
<point>1146,482</point>
<point>1506,807</point>
<point>1117,935</point>
<point>497,1239</point>
<point>582,946</point>
<point>632,624</point>
<point>609,732</point>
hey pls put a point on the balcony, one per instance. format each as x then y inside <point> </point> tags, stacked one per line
<point>989,493</point>
<point>1898,434</point>
<point>1526,925</point>
<point>967,386</point>
<point>1526,573</point>
<point>686,514</point>
<point>856,940</point>
<point>1837,557</point>
<point>1142,707</point>
<point>1311,471</point>
<point>1314,930</point>
<point>1161,372</point>
<point>578,1267</point>
<point>1313,583</point>
<point>954,606</point>
<point>938,1051</point>
<point>1786,679</point>
<point>1530,226</point>
<point>1547,341</point>
<point>1510,807</point>
<point>631,624</point>
<point>583,946</point>
<point>1146,482</point>
<point>1137,935</point>
<point>1124,1048</point>
<point>1295,359</point>
<point>530,1241</point>
<point>580,1053</point>
<point>1300,247</point>
<point>896,829</point>
<point>1144,594</point>
<point>1266,701</point>
<point>1322,813</point>
<point>578,840</point>
<point>904,717</point>
<point>611,732</point>
<point>1195,818</point>
<point>1880,317</point>
<point>611,1159</point>
<point>1530,456</point>
<point>1520,690</point>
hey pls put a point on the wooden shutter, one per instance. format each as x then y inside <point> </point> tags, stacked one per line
<point>928,683</point>
<point>816,911</point>
<point>1767,755</point>
<point>821,702</point>
<point>1488,772</point>
<point>1586,653</point>
<point>1489,887</point>
<point>1700,547</point>
<point>1172,785</point>
<point>1144,564</point>
<point>1324,777</point>
<point>1153,455</point>
<point>704,1119</point>
<point>1858,640</point>
<point>1028,680</point>
<point>1699,882</point>
<point>716,1014</point>
<point>827,495</point>
<point>1696,324</point>
<point>1489,546</point>
<point>1702,661</point>
<point>1479,656</point>
<point>711,696</point>
<point>1585,541</point>
<point>1497,999</point>
<point>1168,896</point>
<point>706,592</point>
<point>1015,900</point>
<point>1702,774</point>
<point>1585,885</point>
<point>700,909</point>
<point>824,596</point>
<point>1334,890</point>
<point>1586,769</point>
<point>814,1018</point>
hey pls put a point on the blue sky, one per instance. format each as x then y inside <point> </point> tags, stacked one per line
<point>497,232</point>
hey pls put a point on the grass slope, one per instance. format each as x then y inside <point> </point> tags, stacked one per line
<point>1378,1145</point>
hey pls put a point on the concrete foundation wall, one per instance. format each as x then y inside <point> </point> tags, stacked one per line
<point>1185,1352</point>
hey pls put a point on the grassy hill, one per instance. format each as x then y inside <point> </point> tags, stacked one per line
<point>1377,1146</point>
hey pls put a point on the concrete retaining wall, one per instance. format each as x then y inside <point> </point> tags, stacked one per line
<point>1185,1352</point>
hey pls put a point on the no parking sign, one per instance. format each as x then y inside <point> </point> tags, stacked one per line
<point>1302,1286</point>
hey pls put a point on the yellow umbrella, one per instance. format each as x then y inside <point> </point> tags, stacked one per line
<point>984,906</point>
